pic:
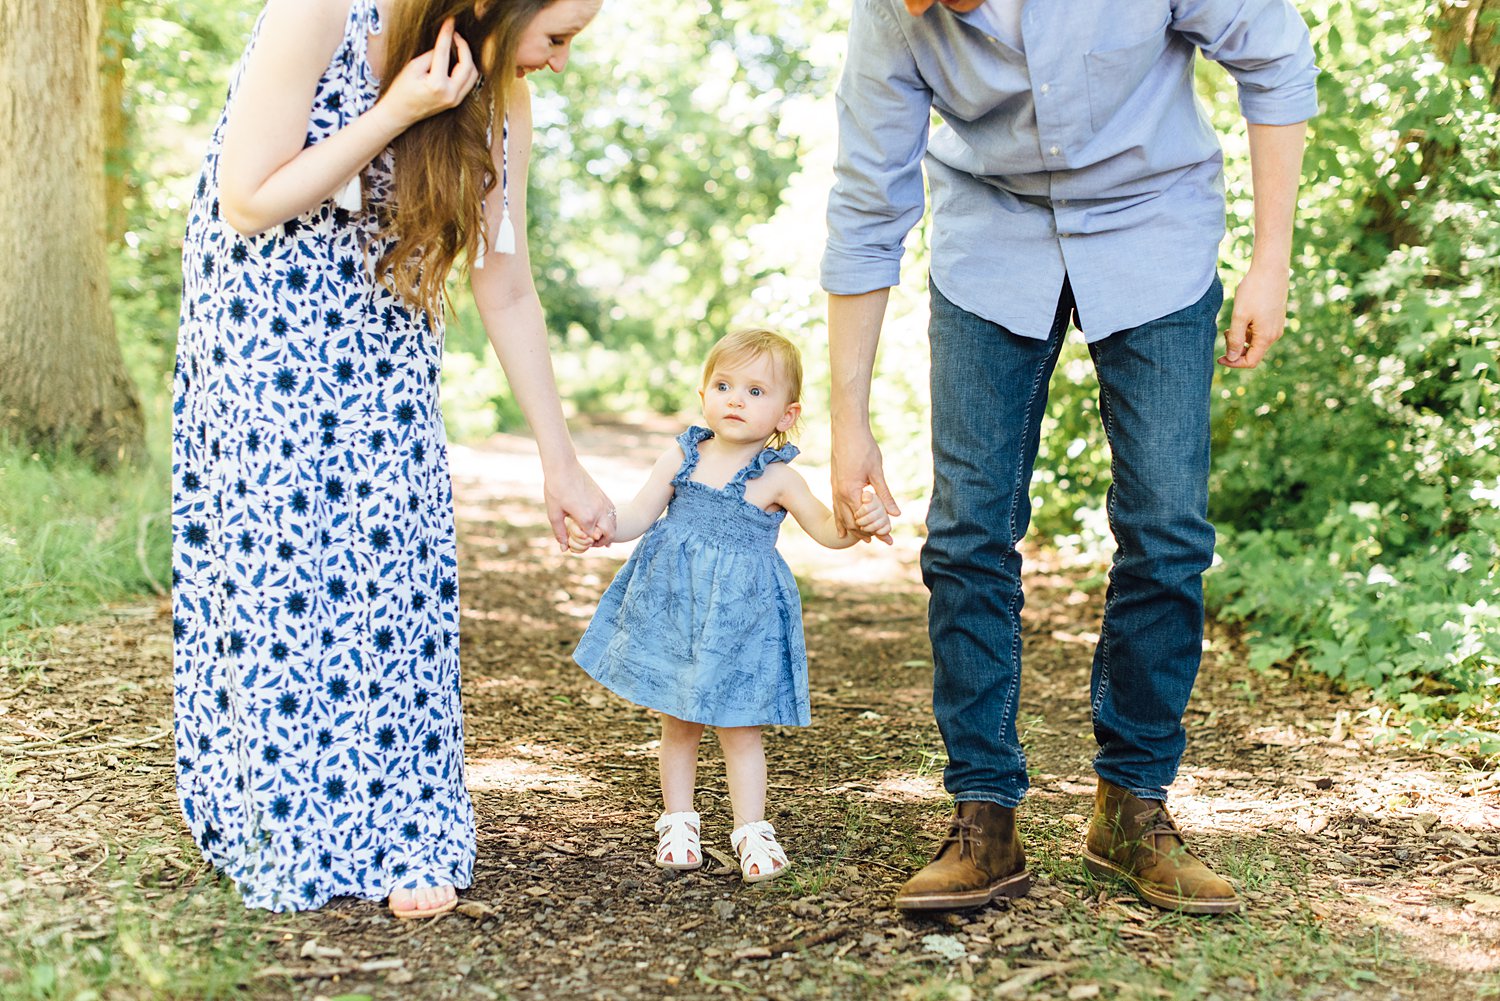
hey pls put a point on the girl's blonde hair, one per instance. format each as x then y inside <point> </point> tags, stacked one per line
<point>443,165</point>
<point>757,342</point>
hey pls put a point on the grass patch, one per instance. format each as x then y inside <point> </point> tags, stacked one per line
<point>132,941</point>
<point>73,539</point>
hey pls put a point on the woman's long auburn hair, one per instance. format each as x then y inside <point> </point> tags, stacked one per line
<point>443,166</point>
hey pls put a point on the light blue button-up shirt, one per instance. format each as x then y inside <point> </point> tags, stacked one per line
<point>1086,155</point>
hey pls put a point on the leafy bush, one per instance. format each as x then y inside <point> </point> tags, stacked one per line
<point>1357,476</point>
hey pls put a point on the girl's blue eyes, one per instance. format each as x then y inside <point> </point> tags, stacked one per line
<point>723,387</point>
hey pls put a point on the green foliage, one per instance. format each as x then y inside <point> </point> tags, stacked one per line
<point>1356,472</point>
<point>177,56</point>
<point>656,155</point>
<point>72,539</point>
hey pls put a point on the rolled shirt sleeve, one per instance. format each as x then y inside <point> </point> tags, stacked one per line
<point>884,109</point>
<point>1265,46</point>
<point>1080,153</point>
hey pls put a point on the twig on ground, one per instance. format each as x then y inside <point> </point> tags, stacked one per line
<point>48,742</point>
<point>1478,861</point>
<point>793,944</point>
<point>113,745</point>
<point>1018,983</point>
<point>82,800</point>
<point>91,869</point>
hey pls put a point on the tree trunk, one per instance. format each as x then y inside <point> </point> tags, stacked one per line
<point>1468,32</point>
<point>62,380</point>
<point>114,43</point>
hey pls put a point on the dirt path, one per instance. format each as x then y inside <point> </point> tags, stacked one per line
<point>1372,869</point>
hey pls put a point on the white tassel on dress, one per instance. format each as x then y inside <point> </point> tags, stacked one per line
<point>505,239</point>
<point>350,198</point>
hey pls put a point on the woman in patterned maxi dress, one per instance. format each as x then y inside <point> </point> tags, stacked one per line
<point>315,600</point>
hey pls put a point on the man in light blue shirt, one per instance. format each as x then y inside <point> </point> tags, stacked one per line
<point>1074,179</point>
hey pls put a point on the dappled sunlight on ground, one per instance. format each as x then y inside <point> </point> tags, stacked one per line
<point>508,616</point>
<point>502,683</point>
<point>523,774</point>
<point>896,787</point>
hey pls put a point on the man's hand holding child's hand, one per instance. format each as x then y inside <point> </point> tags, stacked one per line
<point>872,518</point>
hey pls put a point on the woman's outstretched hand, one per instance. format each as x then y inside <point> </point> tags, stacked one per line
<point>427,85</point>
<point>576,507</point>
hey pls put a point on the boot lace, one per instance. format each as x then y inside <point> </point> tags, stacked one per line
<point>1157,822</point>
<point>964,833</point>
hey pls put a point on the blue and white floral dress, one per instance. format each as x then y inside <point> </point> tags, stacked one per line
<point>315,597</point>
<point>704,621</point>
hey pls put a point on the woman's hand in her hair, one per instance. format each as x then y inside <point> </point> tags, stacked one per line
<point>428,85</point>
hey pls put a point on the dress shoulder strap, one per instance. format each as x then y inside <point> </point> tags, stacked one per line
<point>689,440</point>
<point>363,21</point>
<point>757,467</point>
<point>505,235</point>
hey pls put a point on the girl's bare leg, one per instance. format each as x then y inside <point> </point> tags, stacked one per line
<point>745,767</point>
<point>679,762</point>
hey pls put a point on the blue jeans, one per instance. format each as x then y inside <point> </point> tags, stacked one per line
<point>989,392</point>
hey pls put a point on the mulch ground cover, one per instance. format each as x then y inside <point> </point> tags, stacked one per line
<point>1371,868</point>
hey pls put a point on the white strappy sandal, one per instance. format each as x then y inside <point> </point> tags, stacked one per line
<point>756,845</point>
<point>678,841</point>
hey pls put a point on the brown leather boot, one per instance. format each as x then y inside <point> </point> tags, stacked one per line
<point>981,859</point>
<point>1136,840</point>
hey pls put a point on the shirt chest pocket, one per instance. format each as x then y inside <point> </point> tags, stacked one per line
<point>1116,73</point>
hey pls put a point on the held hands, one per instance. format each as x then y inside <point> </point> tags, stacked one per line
<point>575,502</point>
<point>426,85</point>
<point>862,503</point>
<point>1259,317</point>
<point>579,541</point>
<point>872,520</point>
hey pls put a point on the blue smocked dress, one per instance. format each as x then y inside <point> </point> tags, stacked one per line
<point>704,622</point>
<point>315,596</point>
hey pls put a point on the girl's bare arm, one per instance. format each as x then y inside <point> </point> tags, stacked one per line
<point>793,493</point>
<point>646,506</point>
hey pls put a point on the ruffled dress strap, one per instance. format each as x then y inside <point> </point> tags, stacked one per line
<point>363,21</point>
<point>757,467</point>
<point>689,440</point>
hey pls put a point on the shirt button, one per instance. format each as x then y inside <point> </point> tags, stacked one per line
<point>1062,201</point>
<point>1054,150</point>
<point>1046,87</point>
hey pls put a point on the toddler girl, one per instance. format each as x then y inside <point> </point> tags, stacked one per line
<point>704,623</point>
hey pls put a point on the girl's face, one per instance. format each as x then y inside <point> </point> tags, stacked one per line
<point>745,401</point>
<point>548,39</point>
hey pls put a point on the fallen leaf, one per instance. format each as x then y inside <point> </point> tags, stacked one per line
<point>944,945</point>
